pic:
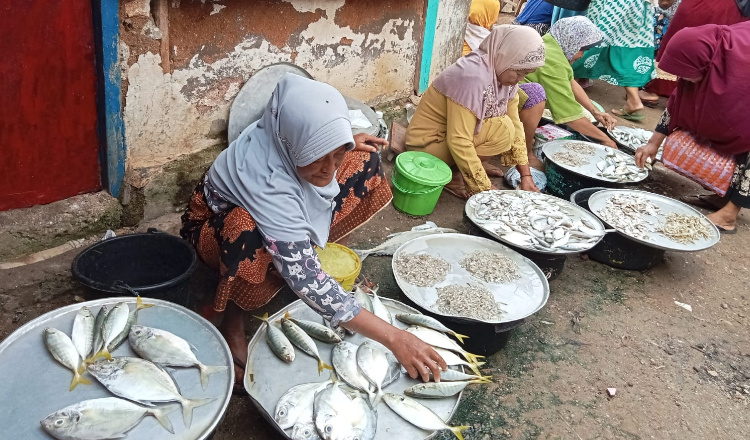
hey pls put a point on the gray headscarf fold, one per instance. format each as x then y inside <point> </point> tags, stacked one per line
<point>574,34</point>
<point>303,121</point>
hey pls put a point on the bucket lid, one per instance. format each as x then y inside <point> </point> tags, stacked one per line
<point>423,168</point>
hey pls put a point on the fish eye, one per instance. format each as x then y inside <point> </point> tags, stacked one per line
<point>307,432</point>
<point>59,422</point>
<point>282,412</point>
<point>329,428</point>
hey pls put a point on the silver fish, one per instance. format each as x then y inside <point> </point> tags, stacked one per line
<point>143,382</point>
<point>117,319</point>
<point>305,431</point>
<point>296,404</point>
<point>168,350</point>
<point>395,240</point>
<point>132,319</point>
<point>452,358</point>
<point>83,332</point>
<point>419,415</point>
<point>363,298</point>
<point>374,366</point>
<point>344,360</point>
<point>277,341</point>
<point>302,340</point>
<point>95,419</point>
<point>62,349</point>
<point>451,375</point>
<point>429,322</point>
<point>438,390</point>
<point>340,330</point>
<point>318,331</point>
<point>101,316</point>
<point>341,416</point>
<point>379,309</point>
<point>440,340</point>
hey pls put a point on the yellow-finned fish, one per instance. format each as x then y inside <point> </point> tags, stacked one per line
<point>82,334</point>
<point>132,319</point>
<point>116,320</point>
<point>419,415</point>
<point>302,340</point>
<point>279,344</point>
<point>64,352</point>
<point>429,322</point>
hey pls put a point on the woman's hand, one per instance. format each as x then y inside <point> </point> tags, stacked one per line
<point>369,143</point>
<point>643,153</point>
<point>527,184</point>
<point>417,357</point>
<point>607,120</point>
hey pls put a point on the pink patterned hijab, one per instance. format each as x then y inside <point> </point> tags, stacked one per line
<point>472,80</point>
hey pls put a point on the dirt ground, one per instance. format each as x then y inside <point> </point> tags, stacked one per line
<point>678,374</point>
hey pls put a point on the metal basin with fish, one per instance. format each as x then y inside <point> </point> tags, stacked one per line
<point>267,377</point>
<point>39,385</point>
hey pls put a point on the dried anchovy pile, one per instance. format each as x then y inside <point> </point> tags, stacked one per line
<point>491,267</point>
<point>568,158</point>
<point>471,301</point>
<point>684,228</point>
<point>580,148</point>
<point>625,212</point>
<point>421,269</point>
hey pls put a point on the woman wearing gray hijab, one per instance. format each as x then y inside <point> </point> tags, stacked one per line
<point>295,179</point>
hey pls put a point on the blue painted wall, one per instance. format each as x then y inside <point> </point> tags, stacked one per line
<point>427,45</point>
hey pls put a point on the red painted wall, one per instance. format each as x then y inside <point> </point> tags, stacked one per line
<point>48,140</point>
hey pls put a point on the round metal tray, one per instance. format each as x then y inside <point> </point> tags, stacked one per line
<point>38,385</point>
<point>630,130</point>
<point>588,170</point>
<point>575,213</point>
<point>519,299</point>
<point>267,377</point>
<point>598,200</point>
<point>369,113</point>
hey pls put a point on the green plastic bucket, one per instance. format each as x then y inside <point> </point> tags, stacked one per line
<point>419,172</point>
<point>415,203</point>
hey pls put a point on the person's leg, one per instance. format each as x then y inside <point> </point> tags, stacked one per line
<point>233,329</point>
<point>726,217</point>
<point>530,118</point>
<point>633,101</point>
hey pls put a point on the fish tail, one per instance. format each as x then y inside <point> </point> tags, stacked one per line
<point>160,414</point>
<point>188,405</point>
<point>76,380</point>
<point>485,379</point>
<point>103,353</point>
<point>139,305</point>
<point>460,337</point>
<point>322,365</point>
<point>457,431</point>
<point>207,371</point>
<point>473,358</point>
<point>287,315</point>
<point>377,397</point>
<point>263,318</point>
<point>475,368</point>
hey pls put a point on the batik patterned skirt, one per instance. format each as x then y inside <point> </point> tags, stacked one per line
<point>230,241</point>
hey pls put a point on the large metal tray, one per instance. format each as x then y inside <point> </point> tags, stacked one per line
<point>589,170</point>
<point>519,299</point>
<point>598,200</point>
<point>576,213</point>
<point>35,385</point>
<point>267,377</point>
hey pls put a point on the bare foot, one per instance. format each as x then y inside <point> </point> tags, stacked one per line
<point>719,219</point>
<point>534,162</point>
<point>233,329</point>
<point>457,187</point>
<point>646,96</point>
<point>492,170</point>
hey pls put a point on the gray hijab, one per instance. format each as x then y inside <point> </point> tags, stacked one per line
<point>303,121</point>
<point>574,34</point>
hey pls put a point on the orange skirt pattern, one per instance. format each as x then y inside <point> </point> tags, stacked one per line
<point>230,242</point>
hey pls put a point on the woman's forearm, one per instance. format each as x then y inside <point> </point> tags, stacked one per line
<point>585,127</point>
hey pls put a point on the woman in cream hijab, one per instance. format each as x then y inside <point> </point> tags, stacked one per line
<point>470,112</point>
<point>293,180</point>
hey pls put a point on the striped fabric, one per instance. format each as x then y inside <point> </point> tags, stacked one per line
<point>624,23</point>
<point>696,160</point>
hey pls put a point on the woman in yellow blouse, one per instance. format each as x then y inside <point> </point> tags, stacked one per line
<point>470,112</point>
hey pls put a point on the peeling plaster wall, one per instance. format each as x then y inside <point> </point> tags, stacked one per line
<point>449,34</point>
<point>368,50</point>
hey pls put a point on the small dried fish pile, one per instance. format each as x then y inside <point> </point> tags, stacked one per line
<point>685,229</point>
<point>632,139</point>
<point>620,168</point>
<point>580,148</point>
<point>568,158</point>
<point>491,267</point>
<point>421,269</point>
<point>626,213</point>
<point>534,221</point>
<point>471,301</point>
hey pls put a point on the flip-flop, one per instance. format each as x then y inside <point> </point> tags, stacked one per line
<point>726,231</point>
<point>705,201</point>
<point>453,192</point>
<point>629,116</point>
<point>651,103</point>
<point>238,389</point>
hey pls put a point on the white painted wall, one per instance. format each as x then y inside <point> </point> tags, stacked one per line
<point>449,34</point>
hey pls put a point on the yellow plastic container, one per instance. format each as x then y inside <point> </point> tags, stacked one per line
<point>341,263</point>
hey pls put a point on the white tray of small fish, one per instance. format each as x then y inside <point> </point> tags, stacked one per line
<point>630,137</point>
<point>38,385</point>
<point>267,377</point>
<point>517,299</point>
<point>604,164</point>
<point>544,214</point>
<point>666,206</point>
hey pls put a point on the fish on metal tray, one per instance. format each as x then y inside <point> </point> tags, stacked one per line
<point>168,350</point>
<point>395,240</point>
<point>305,431</point>
<point>94,419</point>
<point>439,390</point>
<point>344,360</point>
<point>452,359</point>
<point>132,319</point>
<point>143,382</point>
<point>440,340</point>
<point>101,316</point>
<point>419,415</point>
<point>114,324</point>
<point>451,375</point>
<point>277,341</point>
<point>296,404</point>
<point>373,364</point>
<point>82,334</point>
<point>62,349</point>
<point>363,298</point>
<point>302,340</point>
<point>338,415</point>
<point>429,322</point>
<point>318,331</point>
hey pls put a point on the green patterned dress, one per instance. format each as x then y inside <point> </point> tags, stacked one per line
<point>626,55</point>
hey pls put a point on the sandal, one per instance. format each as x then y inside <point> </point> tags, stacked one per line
<point>238,389</point>
<point>648,102</point>
<point>726,231</point>
<point>636,116</point>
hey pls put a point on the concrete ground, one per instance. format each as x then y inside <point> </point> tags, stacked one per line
<point>678,374</point>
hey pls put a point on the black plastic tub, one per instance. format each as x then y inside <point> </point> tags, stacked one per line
<point>615,249</point>
<point>153,264</point>
<point>573,5</point>
<point>563,183</point>
<point>550,264</point>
